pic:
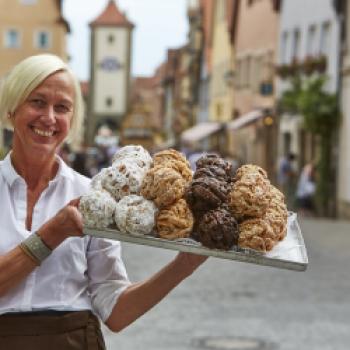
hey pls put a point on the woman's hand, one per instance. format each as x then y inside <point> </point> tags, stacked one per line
<point>66,223</point>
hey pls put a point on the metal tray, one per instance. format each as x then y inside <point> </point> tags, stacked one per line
<point>288,254</point>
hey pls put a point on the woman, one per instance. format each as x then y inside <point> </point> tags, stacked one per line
<point>53,282</point>
<point>306,190</point>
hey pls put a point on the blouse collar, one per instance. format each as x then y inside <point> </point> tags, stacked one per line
<point>11,175</point>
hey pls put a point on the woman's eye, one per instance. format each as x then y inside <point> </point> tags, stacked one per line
<point>62,109</point>
<point>38,102</point>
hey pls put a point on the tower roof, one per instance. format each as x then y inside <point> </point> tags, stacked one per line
<point>111,16</point>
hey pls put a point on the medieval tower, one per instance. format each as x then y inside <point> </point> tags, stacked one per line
<point>111,37</point>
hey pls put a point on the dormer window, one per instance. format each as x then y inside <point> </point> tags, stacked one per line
<point>28,2</point>
<point>12,39</point>
<point>109,101</point>
<point>42,39</point>
<point>111,38</point>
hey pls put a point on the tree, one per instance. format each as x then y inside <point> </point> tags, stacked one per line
<point>320,110</point>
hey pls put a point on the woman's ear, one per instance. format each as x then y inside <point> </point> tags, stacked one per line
<point>10,118</point>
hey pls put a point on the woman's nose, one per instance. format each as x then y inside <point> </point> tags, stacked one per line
<point>49,115</point>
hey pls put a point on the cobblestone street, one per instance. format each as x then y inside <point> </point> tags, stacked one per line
<point>258,307</point>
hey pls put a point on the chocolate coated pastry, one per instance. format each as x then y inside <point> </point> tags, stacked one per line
<point>211,171</point>
<point>213,160</point>
<point>206,193</point>
<point>218,229</point>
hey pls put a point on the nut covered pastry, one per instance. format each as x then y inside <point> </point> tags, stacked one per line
<point>250,196</point>
<point>277,214</point>
<point>277,218</point>
<point>218,229</point>
<point>257,234</point>
<point>169,155</point>
<point>97,209</point>
<point>96,181</point>
<point>134,153</point>
<point>135,215</point>
<point>163,185</point>
<point>250,169</point>
<point>175,221</point>
<point>173,159</point>
<point>123,179</point>
<point>180,167</point>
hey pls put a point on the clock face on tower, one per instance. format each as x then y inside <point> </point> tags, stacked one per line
<point>110,64</point>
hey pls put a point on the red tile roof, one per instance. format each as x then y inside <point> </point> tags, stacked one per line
<point>111,16</point>
<point>61,18</point>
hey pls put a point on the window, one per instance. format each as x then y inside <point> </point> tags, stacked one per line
<point>284,48</point>
<point>269,69</point>
<point>109,101</point>
<point>28,2</point>
<point>12,39</point>
<point>325,38</point>
<point>248,71</point>
<point>111,38</point>
<point>258,73</point>
<point>296,44</point>
<point>287,142</point>
<point>219,110</point>
<point>42,40</point>
<point>238,74</point>
<point>251,2</point>
<point>311,41</point>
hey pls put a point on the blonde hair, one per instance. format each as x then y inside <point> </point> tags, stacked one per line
<point>29,74</point>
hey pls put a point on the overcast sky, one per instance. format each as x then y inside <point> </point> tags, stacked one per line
<point>159,24</point>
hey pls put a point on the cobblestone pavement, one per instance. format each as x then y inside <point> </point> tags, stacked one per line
<point>283,309</point>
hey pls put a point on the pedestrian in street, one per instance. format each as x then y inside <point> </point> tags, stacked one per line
<point>55,284</point>
<point>286,178</point>
<point>306,189</point>
<point>194,156</point>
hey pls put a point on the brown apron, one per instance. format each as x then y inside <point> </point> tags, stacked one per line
<point>76,330</point>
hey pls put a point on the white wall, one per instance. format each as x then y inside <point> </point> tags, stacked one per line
<point>111,83</point>
<point>344,143</point>
<point>300,15</point>
<point>344,151</point>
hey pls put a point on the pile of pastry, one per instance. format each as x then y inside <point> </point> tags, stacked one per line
<point>160,196</point>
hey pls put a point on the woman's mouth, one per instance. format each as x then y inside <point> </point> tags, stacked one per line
<point>45,133</point>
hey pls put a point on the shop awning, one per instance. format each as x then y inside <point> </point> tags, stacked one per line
<point>200,131</point>
<point>245,119</point>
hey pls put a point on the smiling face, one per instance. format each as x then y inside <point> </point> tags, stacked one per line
<point>42,121</point>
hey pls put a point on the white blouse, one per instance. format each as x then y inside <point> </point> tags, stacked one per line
<point>81,273</point>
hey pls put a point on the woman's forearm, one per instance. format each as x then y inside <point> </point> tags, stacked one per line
<point>140,297</point>
<point>16,264</point>
<point>14,267</point>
